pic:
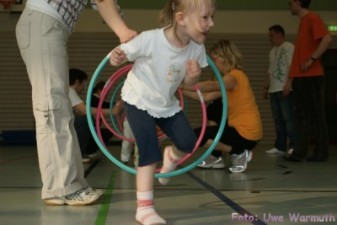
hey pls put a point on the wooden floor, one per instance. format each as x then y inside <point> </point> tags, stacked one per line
<point>271,191</point>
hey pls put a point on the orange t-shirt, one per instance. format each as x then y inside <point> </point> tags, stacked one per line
<point>311,30</point>
<point>243,113</point>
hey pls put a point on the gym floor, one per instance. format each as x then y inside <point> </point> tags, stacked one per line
<point>271,192</point>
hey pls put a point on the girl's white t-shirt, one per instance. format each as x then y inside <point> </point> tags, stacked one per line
<point>158,70</point>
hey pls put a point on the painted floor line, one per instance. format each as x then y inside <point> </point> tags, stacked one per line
<point>236,207</point>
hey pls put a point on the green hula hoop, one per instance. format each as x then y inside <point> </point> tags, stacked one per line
<point>176,172</point>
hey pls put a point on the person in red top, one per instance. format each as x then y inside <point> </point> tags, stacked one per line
<point>306,78</point>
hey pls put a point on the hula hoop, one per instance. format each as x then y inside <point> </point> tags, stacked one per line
<point>157,175</point>
<point>100,117</point>
<point>115,130</point>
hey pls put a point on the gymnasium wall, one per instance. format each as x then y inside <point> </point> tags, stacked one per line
<point>92,40</point>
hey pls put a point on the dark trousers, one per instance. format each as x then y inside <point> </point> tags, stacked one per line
<point>230,137</point>
<point>144,128</point>
<point>85,138</point>
<point>310,120</point>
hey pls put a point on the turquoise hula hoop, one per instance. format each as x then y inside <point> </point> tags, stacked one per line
<point>176,172</point>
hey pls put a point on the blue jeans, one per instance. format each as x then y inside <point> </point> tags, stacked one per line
<point>283,114</point>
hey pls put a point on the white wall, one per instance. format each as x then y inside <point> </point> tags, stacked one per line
<point>234,21</point>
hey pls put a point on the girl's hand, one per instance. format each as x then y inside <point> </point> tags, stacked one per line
<point>193,69</point>
<point>193,72</point>
<point>118,108</point>
<point>117,57</point>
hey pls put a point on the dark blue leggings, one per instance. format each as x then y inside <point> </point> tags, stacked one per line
<point>144,128</point>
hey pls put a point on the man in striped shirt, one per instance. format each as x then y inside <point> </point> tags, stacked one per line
<point>42,33</point>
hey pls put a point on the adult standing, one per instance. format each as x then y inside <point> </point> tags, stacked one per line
<point>42,33</point>
<point>306,77</point>
<point>282,108</point>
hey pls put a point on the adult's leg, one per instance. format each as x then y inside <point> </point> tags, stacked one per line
<point>287,108</point>
<point>83,133</point>
<point>302,119</point>
<point>210,133</point>
<point>316,109</point>
<point>279,122</point>
<point>43,46</point>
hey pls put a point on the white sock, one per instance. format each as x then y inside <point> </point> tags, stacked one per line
<point>146,214</point>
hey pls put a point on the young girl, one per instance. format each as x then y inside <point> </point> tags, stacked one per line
<point>164,58</point>
<point>243,128</point>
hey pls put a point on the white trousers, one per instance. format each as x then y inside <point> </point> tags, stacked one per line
<point>43,45</point>
<point>127,147</point>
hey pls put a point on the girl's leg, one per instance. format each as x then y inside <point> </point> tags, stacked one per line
<point>144,130</point>
<point>170,162</point>
<point>178,129</point>
<point>146,214</point>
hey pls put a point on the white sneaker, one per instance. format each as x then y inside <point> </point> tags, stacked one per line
<point>290,151</point>
<point>212,162</point>
<point>274,151</point>
<point>99,192</point>
<point>84,196</point>
<point>240,162</point>
<point>85,159</point>
<point>95,155</point>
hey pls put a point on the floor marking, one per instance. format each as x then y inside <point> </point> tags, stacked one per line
<point>106,200</point>
<point>90,168</point>
<point>225,199</point>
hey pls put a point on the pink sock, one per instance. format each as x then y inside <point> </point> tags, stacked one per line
<point>146,214</point>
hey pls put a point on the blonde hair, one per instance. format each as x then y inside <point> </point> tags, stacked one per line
<point>229,53</point>
<point>167,14</point>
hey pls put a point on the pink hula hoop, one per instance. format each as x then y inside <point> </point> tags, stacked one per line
<point>100,117</point>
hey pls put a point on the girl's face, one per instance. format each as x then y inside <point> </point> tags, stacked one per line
<point>219,62</point>
<point>199,23</point>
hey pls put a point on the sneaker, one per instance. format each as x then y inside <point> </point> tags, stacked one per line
<point>274,151</point>
<point>290,151</point>
<point>240,161</point>
<point>212,162</point>
<point>95,155</point>
<point>99,192</point>
<point>85,196</point>
<point>85,159</point>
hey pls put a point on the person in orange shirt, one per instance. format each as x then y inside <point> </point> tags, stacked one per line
<point>306,78</point>
<point>243,128</point>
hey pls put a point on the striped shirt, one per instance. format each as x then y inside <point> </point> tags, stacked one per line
<point>69,10</point>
